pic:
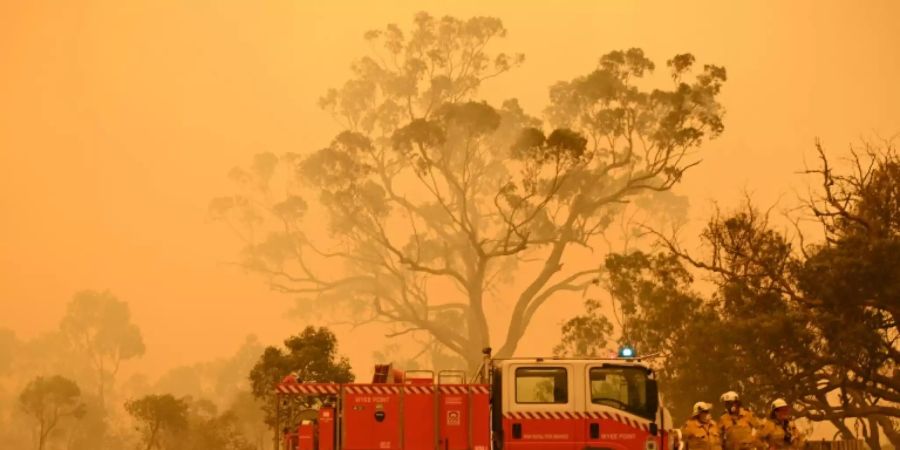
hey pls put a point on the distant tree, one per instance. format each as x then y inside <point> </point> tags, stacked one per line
<point>48,400</point>
<point>218,432</point>
<point>433,199</point>
<point>229,376</point>
<point>96,429</point>
<point>228,434</point>
<point>220,379</point>
<point>192,424</point>
<point>312,355</point>
<point>26,359</point>
<point>250,417</point>
<point>51,352</point>
<point>100,324</point>
<point>158,415</point>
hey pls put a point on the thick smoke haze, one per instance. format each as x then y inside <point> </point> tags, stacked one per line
<point>119,121</point>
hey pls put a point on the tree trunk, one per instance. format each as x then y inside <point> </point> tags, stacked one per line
<point>151,442</point>
<point>101,386</point>
<point>521,313</point>
<point>892,434</point>
<point>873,437</point>
<point>478,332</point>
<point>41,436</point>
<point>845,431</point>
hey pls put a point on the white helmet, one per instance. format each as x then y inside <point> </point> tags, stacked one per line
<point>701,407</point>
<point>729,396</point>
<point>779,403</point>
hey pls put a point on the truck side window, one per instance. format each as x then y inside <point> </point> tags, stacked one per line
<point>622,388</point>
<point>542,385</point>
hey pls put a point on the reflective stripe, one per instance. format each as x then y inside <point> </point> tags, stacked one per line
<point>574,415</point>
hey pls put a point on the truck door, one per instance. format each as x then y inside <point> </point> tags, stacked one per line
<point>539,407</point>
<point>618,413</point>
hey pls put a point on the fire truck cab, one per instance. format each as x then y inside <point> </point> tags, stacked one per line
<point>568,404</point>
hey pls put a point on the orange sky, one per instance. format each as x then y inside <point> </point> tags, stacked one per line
<point>120,119</point>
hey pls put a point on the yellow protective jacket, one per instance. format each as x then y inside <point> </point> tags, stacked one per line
<point>738,431</point>
<point>699,435</point>
<point>774,432</point>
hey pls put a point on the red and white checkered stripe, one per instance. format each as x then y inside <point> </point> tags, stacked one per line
<point>302,388</point>
<point>543,415</point>
<point>562,415</point>
<point>414,390</point>
<point>447,390</point>
<point>639,424</point>
<point>379,389</point>
<point>455,390</point>
<point>312,388</point>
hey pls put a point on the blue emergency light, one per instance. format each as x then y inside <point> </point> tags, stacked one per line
<point>626,352</point>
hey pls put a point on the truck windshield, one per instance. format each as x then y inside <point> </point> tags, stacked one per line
<point>623,388</point>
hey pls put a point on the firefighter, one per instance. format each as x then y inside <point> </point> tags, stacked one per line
<point>778,431</point>
<point>700,431</point>
<point>738,425</point>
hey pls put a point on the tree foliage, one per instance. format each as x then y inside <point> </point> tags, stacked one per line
<point>656,311</point>
<point>206,429</point>
<point>100,325</point>
<point>49,400</point>
<point>52,353</point>
<point>221,432</point>
<point>586,335</point>
<point>812,322</point>
<point>102,426</point>
<point>159,416</point>
<point>434,200</point>
<point>311,355</point>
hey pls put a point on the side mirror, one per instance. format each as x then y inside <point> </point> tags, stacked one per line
<point>654,429</point>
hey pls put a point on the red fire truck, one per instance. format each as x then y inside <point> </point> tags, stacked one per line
<point>511,404</point>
